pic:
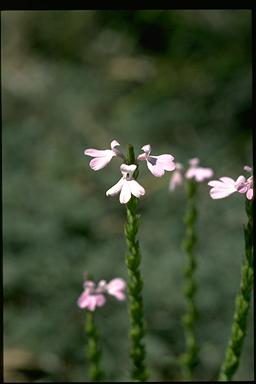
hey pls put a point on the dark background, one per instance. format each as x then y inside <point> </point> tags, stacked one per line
<point>179,80</point>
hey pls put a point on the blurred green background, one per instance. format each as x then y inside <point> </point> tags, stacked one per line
<point>179,80</point>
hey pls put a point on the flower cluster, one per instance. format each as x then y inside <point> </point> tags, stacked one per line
<point>94,295</point>
<point>225,186</point>
<point>127,185</point>
<point>194,171</point>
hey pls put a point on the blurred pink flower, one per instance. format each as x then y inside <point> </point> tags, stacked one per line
<point>225,186</point>
<point>103,157</point>
<point>127,186</point>
<point>157,164</point>
<point>94,296</point>
<point>199,173</point>
<point>176,177</point>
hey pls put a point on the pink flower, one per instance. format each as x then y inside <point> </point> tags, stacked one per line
<point>226,186</point>
<point>127,186</point>
<point>157,164</point>
<point>103,157</point>
<point>176,178</point>
<point>199,173</point>
<point>94,296</point>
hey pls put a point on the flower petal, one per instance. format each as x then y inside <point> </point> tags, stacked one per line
<point>100,162</point>
<point>227,180</point>
<point>220,193</point>
<point>116,284</point>
<point>247,168</point>
<point>114,144</point>
<point>175,180</point>
<point>249,194</point>
<point>146,148</point>
<point>203,173</point>
<point>135,188</point>
<point>128,168</point>
<point>89,284</point>
<point>241,184</point>
<point>97,152</point>
<point>194,162</point>
<point>125,194</point>
<point>222,188</point>
<point>142,156</point>
<point>115,288</point>
<point>116,188</point>
<point>100,300</point>
<point>92,303</point>
<point>166,162</point>
<point>83,300</point>
<point>190,173</point>
<point>119,295</point>
<point>155,169</point>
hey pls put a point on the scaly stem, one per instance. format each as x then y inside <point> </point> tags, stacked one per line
<point>189,359</point>
<point>135,285</point>
<point>242,305</point>
<point>93,348</point>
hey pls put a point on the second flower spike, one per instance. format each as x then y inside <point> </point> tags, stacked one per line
<point>127,185</point>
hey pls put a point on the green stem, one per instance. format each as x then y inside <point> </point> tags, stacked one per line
<point>242,305</point>
<point>135,286</point>
<point>93,348</point>
<point>190,357</point>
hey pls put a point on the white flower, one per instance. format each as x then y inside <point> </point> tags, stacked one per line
<point>127,186</point>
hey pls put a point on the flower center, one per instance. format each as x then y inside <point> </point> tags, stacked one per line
<point>128,176</point>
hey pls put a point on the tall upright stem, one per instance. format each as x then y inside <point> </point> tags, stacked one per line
<point>93,348</point>
<point>242,305</point>
<point>190,357</point>
<point>135,286</point>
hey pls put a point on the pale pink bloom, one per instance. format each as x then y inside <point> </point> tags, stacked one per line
<point>176,177</point>
<point>103,157</point>
<point>94,295</point>
<point>157,164</point>
<point>127,186</point>
<point>196,172</point>
<point>226,186</point>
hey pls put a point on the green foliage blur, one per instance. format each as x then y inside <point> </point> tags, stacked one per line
<point>179,80</point>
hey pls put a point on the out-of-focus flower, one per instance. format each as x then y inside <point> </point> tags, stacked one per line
<point>103,157</point>
<point>95,295</point>
<point>176,177</point>
<point>225,186</point>
<point>157,164</point>
<point>196,172</point>
<point>127,185</point>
